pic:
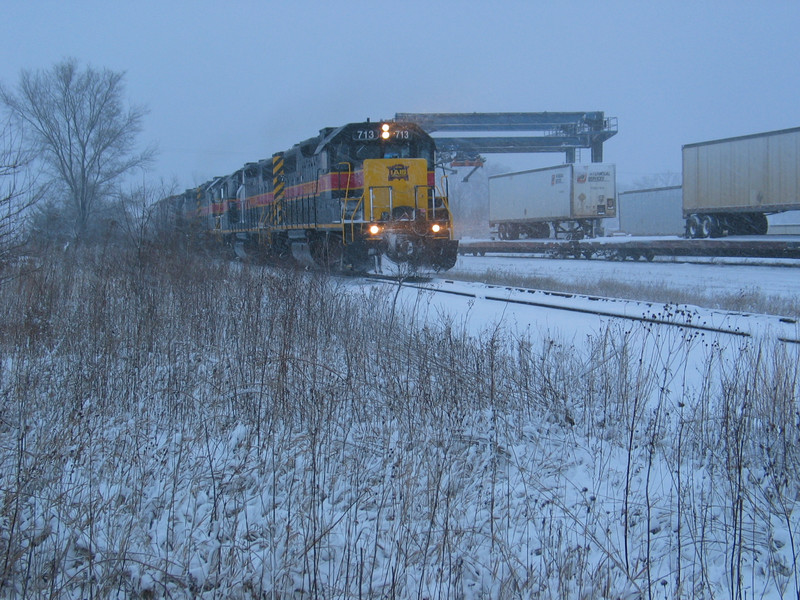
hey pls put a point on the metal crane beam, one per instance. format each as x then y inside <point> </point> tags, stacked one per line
<point>559,132</point>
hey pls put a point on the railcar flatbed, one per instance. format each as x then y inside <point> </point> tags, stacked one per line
<point>767,246</point>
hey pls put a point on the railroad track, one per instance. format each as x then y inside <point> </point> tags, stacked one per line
<point>690,318</point>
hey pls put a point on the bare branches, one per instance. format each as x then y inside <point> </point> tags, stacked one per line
<point>16,195</point>
<point>139,212</point>
<point>80,129</point>
<point>657,180</point>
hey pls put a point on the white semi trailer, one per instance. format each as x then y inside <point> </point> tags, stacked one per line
<point>731,185</point>
<point>655,211</point>
<point>567,199</point>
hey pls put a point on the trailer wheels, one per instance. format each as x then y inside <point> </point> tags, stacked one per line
<point>709,227</point>
<point>693,227</point>
<point>539,231</point>
<point>508,231</point>
<point>715,226</point>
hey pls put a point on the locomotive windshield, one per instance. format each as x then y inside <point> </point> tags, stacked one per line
<point>366,141</point>
<point>362,151</point>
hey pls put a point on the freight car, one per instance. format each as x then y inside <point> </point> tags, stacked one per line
<point>731,185</point>
<point>567,199</point>
<point>341,200</point>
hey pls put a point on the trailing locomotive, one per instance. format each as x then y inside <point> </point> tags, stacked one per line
<point>340,200</point>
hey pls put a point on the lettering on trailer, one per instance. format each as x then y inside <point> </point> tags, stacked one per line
<point>397,172</point>
<point>599,175</point>
<point>556,179</point>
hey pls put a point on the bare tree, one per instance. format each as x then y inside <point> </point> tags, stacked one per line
<point>657,180</point>
<point>16,196</point>
<point>80,130</point>
<point>139,209</point>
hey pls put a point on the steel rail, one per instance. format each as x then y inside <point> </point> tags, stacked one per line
<point>419,283</point>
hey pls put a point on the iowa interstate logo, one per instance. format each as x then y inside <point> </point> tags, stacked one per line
<point>398,171</point>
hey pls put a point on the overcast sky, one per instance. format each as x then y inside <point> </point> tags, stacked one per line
<point>230,82</point>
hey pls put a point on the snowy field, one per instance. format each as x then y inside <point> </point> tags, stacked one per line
<point>520,311</point>
<point>778,278</point>
<point>210,431</point>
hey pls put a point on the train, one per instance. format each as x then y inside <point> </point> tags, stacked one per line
<point>650,223</point>
<point>650,212</point>
<point>344,199</point>
<point>659,212</point>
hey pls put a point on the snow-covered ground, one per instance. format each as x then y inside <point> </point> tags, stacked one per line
<point>682,372</point>
<point>239,434</point>
<point>777,278</point>
<point>481,305</point>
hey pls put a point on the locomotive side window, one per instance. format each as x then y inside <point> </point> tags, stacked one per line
<point>339,155</point>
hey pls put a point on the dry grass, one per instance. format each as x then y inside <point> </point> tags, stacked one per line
<point>177,427</point>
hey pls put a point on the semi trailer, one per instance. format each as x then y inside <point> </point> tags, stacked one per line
<point>731,185</point>
<point>568,199</point>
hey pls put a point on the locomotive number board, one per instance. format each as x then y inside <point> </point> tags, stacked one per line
<point>377,134</point>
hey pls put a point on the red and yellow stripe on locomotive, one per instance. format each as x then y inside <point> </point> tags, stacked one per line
<point>339,199</point>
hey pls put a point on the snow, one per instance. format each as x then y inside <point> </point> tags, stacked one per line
<point>779,278</point>
<point>587,457</point>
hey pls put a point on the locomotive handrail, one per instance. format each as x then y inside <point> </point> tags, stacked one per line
<point>353,217</point>
<point>372,189</point>
<point>446,204</point>
<point>344,204</point>
<point>445,200</point>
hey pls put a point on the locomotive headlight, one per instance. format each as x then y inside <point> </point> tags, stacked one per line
<point>385,131</point>
<point>436,228</point>
<point>374,229</point>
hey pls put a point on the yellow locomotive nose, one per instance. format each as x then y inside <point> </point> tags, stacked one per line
<point>391,184</point>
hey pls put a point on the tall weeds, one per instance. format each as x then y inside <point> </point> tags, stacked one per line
<point>172,426</point>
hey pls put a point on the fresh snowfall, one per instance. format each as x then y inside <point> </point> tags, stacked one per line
<point>183,427</point>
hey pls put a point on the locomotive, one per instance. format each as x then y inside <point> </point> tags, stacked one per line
<point>342,200</point>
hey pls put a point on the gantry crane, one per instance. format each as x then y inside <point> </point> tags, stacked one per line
<point>565,132</point>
